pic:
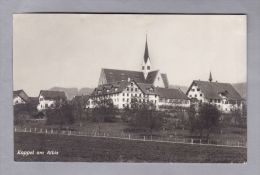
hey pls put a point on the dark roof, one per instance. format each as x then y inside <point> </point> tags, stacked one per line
<point>34,100</point>
<point>55,95</point>
<point>146,88</point>
<point>114,75</point>
<point>21,94</point>
<point>165,80</point>
<point>171,93</point>
<point>212,90</point>
<point>112,88</point>
<point>151,76</point>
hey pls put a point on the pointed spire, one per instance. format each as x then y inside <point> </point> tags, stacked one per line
<point>146,52</point>
<point>210,77</point>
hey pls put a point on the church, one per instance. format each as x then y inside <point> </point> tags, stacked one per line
<point>146,85</point>
<point>146,75</point>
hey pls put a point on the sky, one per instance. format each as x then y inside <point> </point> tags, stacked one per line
<point>69,50</point>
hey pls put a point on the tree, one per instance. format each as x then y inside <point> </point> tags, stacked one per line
<point>206,120</point>
<point>144,115</point>
<point>78,105</point>
<point>61,114</point>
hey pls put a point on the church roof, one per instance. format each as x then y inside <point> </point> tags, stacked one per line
<point>165,80</point>
<point>170,93</point>
<point>214,90</point>
<point>115,75</point>
<point>151,76</point>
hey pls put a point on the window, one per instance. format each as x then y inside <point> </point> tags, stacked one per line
<point>132,89</point>
<point>190,95</point>
<point>201,95</point>
<point>195,95</point>
<point>158,78</point>
<point>127,89</point>
<point>127,94</point>
<point>142,67</point>
<point>46,105</point>
<point>127,100</point>
<point>123,94</point>
<point>135,89</point>
<point>140,95</point>
<point>132,84</point>
<point>135,95</point>
<point>210,100</point>
<point>192,90</point>
<point>198,89</point>
<point>123,99</point>
<point>41,99</point>
<point>123,105</point>
<point>148,67</point>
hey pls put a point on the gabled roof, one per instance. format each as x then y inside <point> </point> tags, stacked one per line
<point>214,90</point>
<point>111,88</point>
<point>151,76</point>
<point>146,88</point>
<point>115,75</point>
<point>165,80</point>
<point>21,94</point>
<point>54,95</point>
<point>169,93</point>
<point>34,100</point>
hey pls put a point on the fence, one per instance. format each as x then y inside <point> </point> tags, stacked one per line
<point>94,133</point>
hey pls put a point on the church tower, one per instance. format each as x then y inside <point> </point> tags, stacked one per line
<point>210,77</point>
<point>146,66</point>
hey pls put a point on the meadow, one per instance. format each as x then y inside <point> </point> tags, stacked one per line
<point>93,149</point>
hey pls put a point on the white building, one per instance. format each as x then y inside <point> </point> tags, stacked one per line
<point>123,92</point>
<point>48,99</point>
<point>20,97</point>
<point>223,95</point>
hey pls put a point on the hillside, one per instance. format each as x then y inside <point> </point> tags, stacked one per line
<point>71,92</point>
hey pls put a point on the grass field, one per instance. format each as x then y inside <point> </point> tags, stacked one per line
<point>89,149</point>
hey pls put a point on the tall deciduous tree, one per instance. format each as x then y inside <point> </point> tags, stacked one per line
<point>207,119</point>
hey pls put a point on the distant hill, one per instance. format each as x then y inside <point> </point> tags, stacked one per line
<point>71,92</point>
<point>241,89</point>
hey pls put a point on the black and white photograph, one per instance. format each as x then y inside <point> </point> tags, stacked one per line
<point>133,88</point>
